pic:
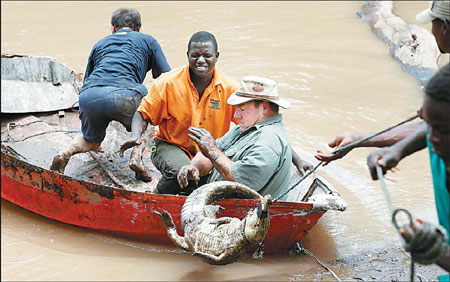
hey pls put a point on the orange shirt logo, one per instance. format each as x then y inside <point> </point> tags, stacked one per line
<point>214,104</point>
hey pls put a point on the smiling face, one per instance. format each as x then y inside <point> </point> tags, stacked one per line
<point>436,115</point>
<point>202,57</point>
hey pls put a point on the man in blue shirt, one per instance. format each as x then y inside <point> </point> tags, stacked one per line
<point>112,87</point>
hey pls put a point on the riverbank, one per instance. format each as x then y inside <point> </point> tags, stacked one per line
<point>387,264</point>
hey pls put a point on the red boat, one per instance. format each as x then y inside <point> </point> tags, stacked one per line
<point>111,209</point>
<point>85,196</point>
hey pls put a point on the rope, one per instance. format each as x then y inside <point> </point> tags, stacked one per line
<point>354,144</point>
<point>385,191</point>
<point>395,212</point>
<point>38,134</point>
<point>72,108</point>
<point>425,232</point>
<point>376,134</point>
<point>298,182</point>
<point>12,125</point>
<point>430,255</point>
<point>351,145</point>
<point>301,249</point>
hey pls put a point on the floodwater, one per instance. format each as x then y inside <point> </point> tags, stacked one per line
<point>339,77</point>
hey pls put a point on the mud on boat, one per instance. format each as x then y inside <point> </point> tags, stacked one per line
<point>99,191</point>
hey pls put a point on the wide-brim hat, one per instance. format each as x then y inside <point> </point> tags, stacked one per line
<point>437,9</point>
<point>257,88</point>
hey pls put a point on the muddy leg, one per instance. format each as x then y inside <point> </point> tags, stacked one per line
<point>136,162</point>
<point>80,145</point>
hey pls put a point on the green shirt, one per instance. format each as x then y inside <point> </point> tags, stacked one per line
<point>261,154</point>
<point>441,195</point>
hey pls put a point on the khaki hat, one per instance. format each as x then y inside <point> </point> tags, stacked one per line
<point>436,10</point>
<point>257,88</point>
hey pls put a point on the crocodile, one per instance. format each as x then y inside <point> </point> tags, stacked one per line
<point>222,240</point>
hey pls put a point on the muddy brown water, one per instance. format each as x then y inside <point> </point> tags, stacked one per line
<point>335,71</point>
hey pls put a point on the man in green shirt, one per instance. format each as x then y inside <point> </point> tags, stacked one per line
<point>256,153</point>
<point>427,245</point>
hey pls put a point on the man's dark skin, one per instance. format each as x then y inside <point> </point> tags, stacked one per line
<point>441,31</point>
<point>202,58</point>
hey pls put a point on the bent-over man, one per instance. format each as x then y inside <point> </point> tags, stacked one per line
<point>112,86</point>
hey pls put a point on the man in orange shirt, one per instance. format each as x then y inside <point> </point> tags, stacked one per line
<point>194,95</point>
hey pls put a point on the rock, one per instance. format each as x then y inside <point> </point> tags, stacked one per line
<point>412,46</point>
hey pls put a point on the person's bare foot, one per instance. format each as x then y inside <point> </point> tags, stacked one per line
<point>59,164</point>
<point>140,170</point>
<point>79,145</point>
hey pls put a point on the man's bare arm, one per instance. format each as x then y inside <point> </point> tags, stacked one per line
<point>386,139</point>
<point>138,126</point>
<point>301,165</point>
<point>209,149</point>
<point>202,163</point>
<point>389,157</point>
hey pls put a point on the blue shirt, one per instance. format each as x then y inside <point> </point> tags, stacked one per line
<point>123,59</point>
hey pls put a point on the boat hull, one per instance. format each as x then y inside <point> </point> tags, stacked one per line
<point>117,211</point>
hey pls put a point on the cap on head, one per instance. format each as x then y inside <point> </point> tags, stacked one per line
<point>437,9</point>
<point>257,88</point>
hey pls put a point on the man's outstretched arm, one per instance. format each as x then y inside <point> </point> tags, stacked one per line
<point>389,157</point>
<point>386,139</point>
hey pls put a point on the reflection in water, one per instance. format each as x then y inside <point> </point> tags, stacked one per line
<point>327,62</point>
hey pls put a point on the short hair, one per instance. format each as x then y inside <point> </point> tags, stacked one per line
<point>438,87</point>
<point>126,17</point>
<point>273,106</point>
<point>202,37</point>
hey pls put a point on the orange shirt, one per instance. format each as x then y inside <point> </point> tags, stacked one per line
<point>173,104</point>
